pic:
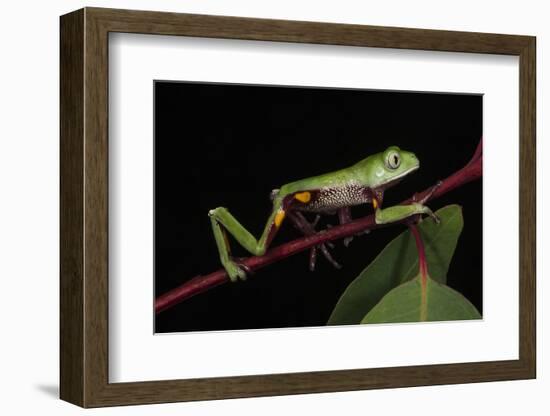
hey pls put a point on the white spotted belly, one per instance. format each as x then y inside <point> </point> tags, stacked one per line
<point>331,199</point>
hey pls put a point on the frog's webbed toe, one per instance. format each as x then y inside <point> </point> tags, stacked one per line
<point>308,228</point>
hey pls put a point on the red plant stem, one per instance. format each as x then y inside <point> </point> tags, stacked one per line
<point>199,284</point>
<point>423,270</point>
<point>422,263</point>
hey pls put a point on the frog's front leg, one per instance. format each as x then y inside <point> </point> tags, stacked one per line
<point>401,212</point>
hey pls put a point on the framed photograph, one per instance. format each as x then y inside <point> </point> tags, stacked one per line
<point>255,207</point>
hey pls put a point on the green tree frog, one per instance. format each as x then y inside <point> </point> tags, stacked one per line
<point>330,193</point>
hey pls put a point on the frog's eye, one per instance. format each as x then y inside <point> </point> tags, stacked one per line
<point>393,160</point>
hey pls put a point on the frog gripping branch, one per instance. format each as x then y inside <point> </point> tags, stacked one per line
<point>470,172</point>
<point>327,194</point>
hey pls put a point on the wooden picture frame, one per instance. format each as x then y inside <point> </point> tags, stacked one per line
<point>84,207</point>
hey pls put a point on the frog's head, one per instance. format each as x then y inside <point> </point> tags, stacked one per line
<point>390,166</point>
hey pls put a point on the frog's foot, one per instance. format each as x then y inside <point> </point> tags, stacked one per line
<point>326,253</point>
<point>429,212</point>
<point>423,209</point>
<point>308,229</point>
<point>236,271</point>
<point>349,239</point>
<point>239,261</point>
<point>428,195</point>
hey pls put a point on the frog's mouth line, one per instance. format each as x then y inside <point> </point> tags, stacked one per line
<point>397,179</point>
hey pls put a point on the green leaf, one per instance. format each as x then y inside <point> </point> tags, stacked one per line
<point>398,263</point>
<point>408,303</point>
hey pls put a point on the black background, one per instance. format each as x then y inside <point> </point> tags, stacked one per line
<point>230,145</point>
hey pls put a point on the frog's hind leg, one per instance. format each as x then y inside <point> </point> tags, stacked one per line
<point>308,229</point>
<point>224,222</point>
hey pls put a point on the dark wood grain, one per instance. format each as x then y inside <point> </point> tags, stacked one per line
<point>84,207</point>
<point>527,208</point>
<point>96,281</point>
<point>71,100</point>
<point>162,23</point>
